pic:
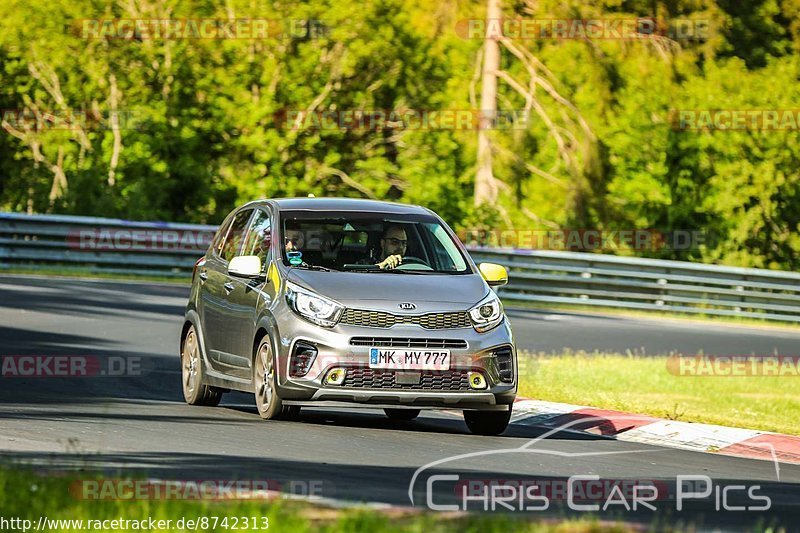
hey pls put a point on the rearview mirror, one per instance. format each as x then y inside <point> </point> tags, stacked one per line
<point>245,266</point>
<point>495,275</point>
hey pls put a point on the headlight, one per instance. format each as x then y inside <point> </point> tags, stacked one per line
<point>312,306</point>
<point>487,314</point>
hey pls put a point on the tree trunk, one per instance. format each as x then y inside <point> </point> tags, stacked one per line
<point>485,187</point>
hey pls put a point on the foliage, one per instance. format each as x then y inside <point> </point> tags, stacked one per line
<point>207,122</point>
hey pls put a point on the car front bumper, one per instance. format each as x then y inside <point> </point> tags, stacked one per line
<point>335,349</point>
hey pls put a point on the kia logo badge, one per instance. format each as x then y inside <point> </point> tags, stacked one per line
<point>407,306</point>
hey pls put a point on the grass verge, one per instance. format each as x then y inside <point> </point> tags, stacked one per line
<point>29,496</point>
<point>643,385</point>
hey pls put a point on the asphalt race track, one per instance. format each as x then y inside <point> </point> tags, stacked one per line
<point>140,423</point>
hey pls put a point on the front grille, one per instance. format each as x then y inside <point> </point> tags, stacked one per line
<point>369,378</point>
<point>404,342</point>
<point>380,319</point>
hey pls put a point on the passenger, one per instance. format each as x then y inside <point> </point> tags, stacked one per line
<point>293,238</point>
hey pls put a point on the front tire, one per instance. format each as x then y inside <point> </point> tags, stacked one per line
<point>402,414</point>
<point>268,401</point>
<point>487,423</point>
<point>195,392</point>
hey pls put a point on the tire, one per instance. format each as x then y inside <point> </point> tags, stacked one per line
<point>402,414</point>
<point>268,402</point>
<point>487,422</point>
<point>195,391</point>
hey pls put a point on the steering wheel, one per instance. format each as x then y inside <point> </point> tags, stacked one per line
<point>412,262</point>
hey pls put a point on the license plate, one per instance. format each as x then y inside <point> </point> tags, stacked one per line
<point>394,359</point>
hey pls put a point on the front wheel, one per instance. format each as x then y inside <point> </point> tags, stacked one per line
<point>487,422</point>
<point>195,392</point>
<point>268,401</point>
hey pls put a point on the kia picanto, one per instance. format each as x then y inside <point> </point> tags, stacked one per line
<point>344,303</point>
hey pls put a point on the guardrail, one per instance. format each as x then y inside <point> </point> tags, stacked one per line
<point>589,279</point>
<point>47,242</point>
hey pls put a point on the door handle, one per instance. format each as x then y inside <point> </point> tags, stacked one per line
<point>228,287</point>
<point>203,275</point>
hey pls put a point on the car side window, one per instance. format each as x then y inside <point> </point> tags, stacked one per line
<point>235,235</point>
<point>259,237</point>
<point>219,237</point>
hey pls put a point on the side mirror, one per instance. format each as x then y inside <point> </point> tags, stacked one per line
<point>495,275</point>
<point>245,266</point>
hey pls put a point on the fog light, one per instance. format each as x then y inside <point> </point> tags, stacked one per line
<point>476,380</point>
<point>303,356</point>
<point>504,360</point>
<point>335,376</point>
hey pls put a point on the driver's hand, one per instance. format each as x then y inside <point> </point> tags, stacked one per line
<point>391,262</point>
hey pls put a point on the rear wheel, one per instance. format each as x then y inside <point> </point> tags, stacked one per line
<point>402,414</point>
<point>268,401</point>
<point>487,422</point>
<point>195,392</point>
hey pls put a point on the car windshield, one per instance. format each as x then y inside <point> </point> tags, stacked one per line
<point>370,243</point>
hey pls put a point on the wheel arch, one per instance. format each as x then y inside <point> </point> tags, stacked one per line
<point>184,331</point>
<point>266,327</point>
<point>193,319</point>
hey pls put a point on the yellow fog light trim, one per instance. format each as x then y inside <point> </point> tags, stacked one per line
<point>476,380</point>
<point>335,376</point>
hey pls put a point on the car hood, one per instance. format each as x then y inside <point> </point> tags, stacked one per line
<point>429,292</point>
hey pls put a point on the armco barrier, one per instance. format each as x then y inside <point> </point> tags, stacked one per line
<point>586,279</point>
<point>101,244</point>
<point>589,279</point>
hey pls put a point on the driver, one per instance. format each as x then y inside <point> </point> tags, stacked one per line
<point>393,247</point>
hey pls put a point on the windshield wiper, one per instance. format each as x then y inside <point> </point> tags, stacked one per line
<point>394,271</point>
<point>306,266</point>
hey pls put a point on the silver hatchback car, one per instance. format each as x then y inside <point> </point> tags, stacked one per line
<point>346,303</point>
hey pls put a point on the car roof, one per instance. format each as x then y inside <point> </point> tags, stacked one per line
<point>342,204</point>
